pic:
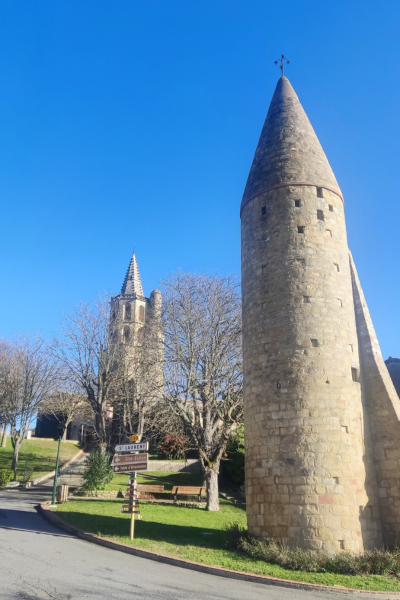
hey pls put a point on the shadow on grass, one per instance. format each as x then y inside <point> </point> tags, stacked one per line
<point>182,535</point>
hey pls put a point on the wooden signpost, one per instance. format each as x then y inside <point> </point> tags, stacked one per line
<point>132,463</point>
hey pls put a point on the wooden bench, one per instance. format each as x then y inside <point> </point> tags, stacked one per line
<point>150,489</point>
<point>186,490</point>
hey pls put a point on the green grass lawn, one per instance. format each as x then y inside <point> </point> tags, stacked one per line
<point>198,535</point>
<point>41,455</point>
<point>119,482</point>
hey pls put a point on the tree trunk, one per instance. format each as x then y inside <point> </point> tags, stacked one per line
<point>4,438</point>
<point>211,477</point>
<point>14,463</point>
<point>101,428</point>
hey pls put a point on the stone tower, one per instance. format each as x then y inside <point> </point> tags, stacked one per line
<point>137,323</point>
<point>131,309</point>
<point>322,464</point>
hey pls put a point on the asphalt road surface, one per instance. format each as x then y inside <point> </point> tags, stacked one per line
<point>40,561</point>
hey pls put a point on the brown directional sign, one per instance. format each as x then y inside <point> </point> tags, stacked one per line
<point>129,458</point>
<point>136,466</point>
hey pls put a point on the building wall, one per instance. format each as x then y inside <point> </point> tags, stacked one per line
<point>383,408</point>
<point>393,366</point>
<point>309,482</point>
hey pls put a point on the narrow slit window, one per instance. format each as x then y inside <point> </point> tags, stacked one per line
<point>351,347</point>
<point>128,312</point>
<point>341,544</point>
<point>329,233</point>
<point>263,305</point>
<point>314,343</point>
<point>300,229</point>
<point>297,203</point>
<point>306,299</point>
<point>320,215</point>
<point>337,267</point>
<point>340,302</point>
<point>264,269</point>
<point>320,193</point>
<point>263,211</point>
<point>354,374</point>
<point>330,207</point>
<point>344,429</point>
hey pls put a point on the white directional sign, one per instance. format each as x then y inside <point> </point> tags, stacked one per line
<point>131,447</point>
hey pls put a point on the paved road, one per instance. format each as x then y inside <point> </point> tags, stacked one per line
<point>41,562</point>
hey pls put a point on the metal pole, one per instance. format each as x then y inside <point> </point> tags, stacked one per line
<point>53,498</point>
<point>132,503</point>
<point>26,464</point>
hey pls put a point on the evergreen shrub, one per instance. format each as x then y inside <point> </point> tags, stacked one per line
<point>98,472</point>
<point>6,475</point>
<point>235,453</point>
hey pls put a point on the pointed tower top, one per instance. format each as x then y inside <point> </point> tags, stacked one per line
<point>132,283</point>
<point>288,150</point>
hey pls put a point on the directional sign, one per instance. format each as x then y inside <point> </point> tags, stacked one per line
<point>129,458</point>
<point>132,447</point>
<point>137,466</point>
<point>129,509</point>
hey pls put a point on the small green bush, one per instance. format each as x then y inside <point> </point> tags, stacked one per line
<point>375,562</point>
<point>6,475</point>
<point>98,471</point>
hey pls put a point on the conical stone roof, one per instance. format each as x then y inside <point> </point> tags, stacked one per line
<point>288,150</point>
<point>132,282</point>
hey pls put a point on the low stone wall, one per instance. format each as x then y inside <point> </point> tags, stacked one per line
<point>98,494</point>
<point>173,466</point>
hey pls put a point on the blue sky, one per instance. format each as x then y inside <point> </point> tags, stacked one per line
<point>135,122</point>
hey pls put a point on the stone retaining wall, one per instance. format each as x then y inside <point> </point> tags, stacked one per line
<point>174,466</point>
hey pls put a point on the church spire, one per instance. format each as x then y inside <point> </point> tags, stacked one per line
<point>288,151</point>
<point>132,282</point>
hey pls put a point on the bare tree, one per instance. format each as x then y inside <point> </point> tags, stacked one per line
<point>29,376</point>
<point>90,358</point>
<point>203,364</point>
<point>5,407</point>
<point>65,405</point>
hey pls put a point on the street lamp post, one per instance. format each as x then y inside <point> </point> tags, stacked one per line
<point>60,431</point>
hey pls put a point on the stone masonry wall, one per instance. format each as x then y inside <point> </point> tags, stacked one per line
<point>307,481</point>
<point>383,408</point>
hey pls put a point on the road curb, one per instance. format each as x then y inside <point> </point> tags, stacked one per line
<point>187,564</point>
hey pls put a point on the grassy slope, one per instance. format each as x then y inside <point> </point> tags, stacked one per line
<point>119,482</point>
<point>41,455</point>
<point>198,535</point>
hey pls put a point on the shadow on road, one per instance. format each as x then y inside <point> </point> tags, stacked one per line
<point>28,522</point>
